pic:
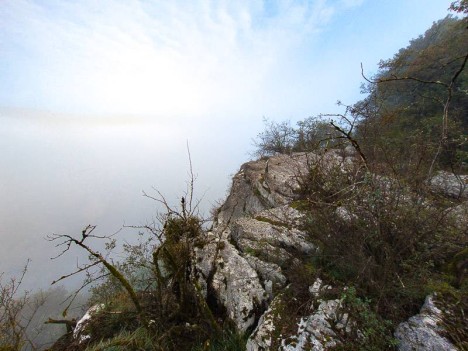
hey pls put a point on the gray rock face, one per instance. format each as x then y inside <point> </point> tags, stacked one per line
<point>270,240</point>
<point>315,331</point>
<point>264,184</point>
<point>421,332</point>
<point>255,233</point>
<point>349,150</point>
<point>270,274</point>
<point>80,333</point>
<point>451,185</point>
<point>262,336</point>
<point>224,273</point>
<point>238,264</point>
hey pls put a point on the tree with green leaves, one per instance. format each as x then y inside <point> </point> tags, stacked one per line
<point>417,105</point>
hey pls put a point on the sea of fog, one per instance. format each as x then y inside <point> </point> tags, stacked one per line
<point>60,174</point>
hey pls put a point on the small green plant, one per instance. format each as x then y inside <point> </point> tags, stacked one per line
<point>228,341</point>
<point>138,340</point>
<point>454,306</point>
<point>369,332</point>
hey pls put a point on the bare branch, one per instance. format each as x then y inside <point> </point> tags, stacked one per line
<point>75,294</point>
<point>396,78</point>
<point>75,272</point>
<point>190,190</point>
<point>353,142</point>
<point>69,323</point>
<point>69,240</point>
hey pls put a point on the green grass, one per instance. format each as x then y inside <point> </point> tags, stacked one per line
<point>228,341</point>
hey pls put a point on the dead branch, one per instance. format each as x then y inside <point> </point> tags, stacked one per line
<point>68,241</point>
<point>69,323</point>
<point>449,88</point>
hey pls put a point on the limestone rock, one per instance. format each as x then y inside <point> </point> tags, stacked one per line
<point>79,333</point>
<point>264,184</point>
<point>460,214</point>
<point>270,274</point>
<point>315,331</point>
<point>450,185</point>
<point>223,272</point>
<point>270,237</point>
<point>421,332</point>
<point>262,336</point>
<point>349,151</point>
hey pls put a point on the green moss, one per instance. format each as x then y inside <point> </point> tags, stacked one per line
<point>272,221</point>
<point>300,205</point>
<point>252,252</point>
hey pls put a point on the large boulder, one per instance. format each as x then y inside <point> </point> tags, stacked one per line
<point>422,332</point>
<point>316,330</point>
<point>450,184</point>
<point>228,280</point>
<point>81,333</point>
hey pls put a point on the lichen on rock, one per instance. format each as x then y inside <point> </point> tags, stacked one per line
<point>422,331</point>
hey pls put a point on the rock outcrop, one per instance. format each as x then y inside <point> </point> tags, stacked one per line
<point>240,266</point>
<point>316,330</point>
<point>256,233</point>
<point>256,236</point>
<point>423,331</point>
<point>263,184</point>
<point>449,184</point>
<point>80,332</point>
<point>228,280</point>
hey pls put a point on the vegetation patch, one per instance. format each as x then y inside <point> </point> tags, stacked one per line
<point>273,222</point>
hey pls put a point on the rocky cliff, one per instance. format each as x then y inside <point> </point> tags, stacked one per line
<point>254,267</point>
<point>257,236</point>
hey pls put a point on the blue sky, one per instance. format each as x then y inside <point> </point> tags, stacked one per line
<point>98,98</point>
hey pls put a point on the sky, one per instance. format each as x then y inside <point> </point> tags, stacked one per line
<point>99,99</point>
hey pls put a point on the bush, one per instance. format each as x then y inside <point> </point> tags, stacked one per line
<point>228,341</point>
<point>311,134</point>
<point>369,332</point>
<point>379,235</point>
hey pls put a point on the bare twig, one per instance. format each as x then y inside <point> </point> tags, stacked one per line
<point>69,240</point>
<point>449,89</point>
<point>354,143</point>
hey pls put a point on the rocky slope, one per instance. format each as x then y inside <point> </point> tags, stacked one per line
<point>244,266</point>
<point>257,236</point>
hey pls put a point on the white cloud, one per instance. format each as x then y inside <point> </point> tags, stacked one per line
<point>173,58</point>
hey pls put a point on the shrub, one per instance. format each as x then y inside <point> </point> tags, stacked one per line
<point>369,332</point>
<point>379,235</point>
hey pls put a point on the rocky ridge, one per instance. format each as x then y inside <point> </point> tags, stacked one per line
<point>256,236</point>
